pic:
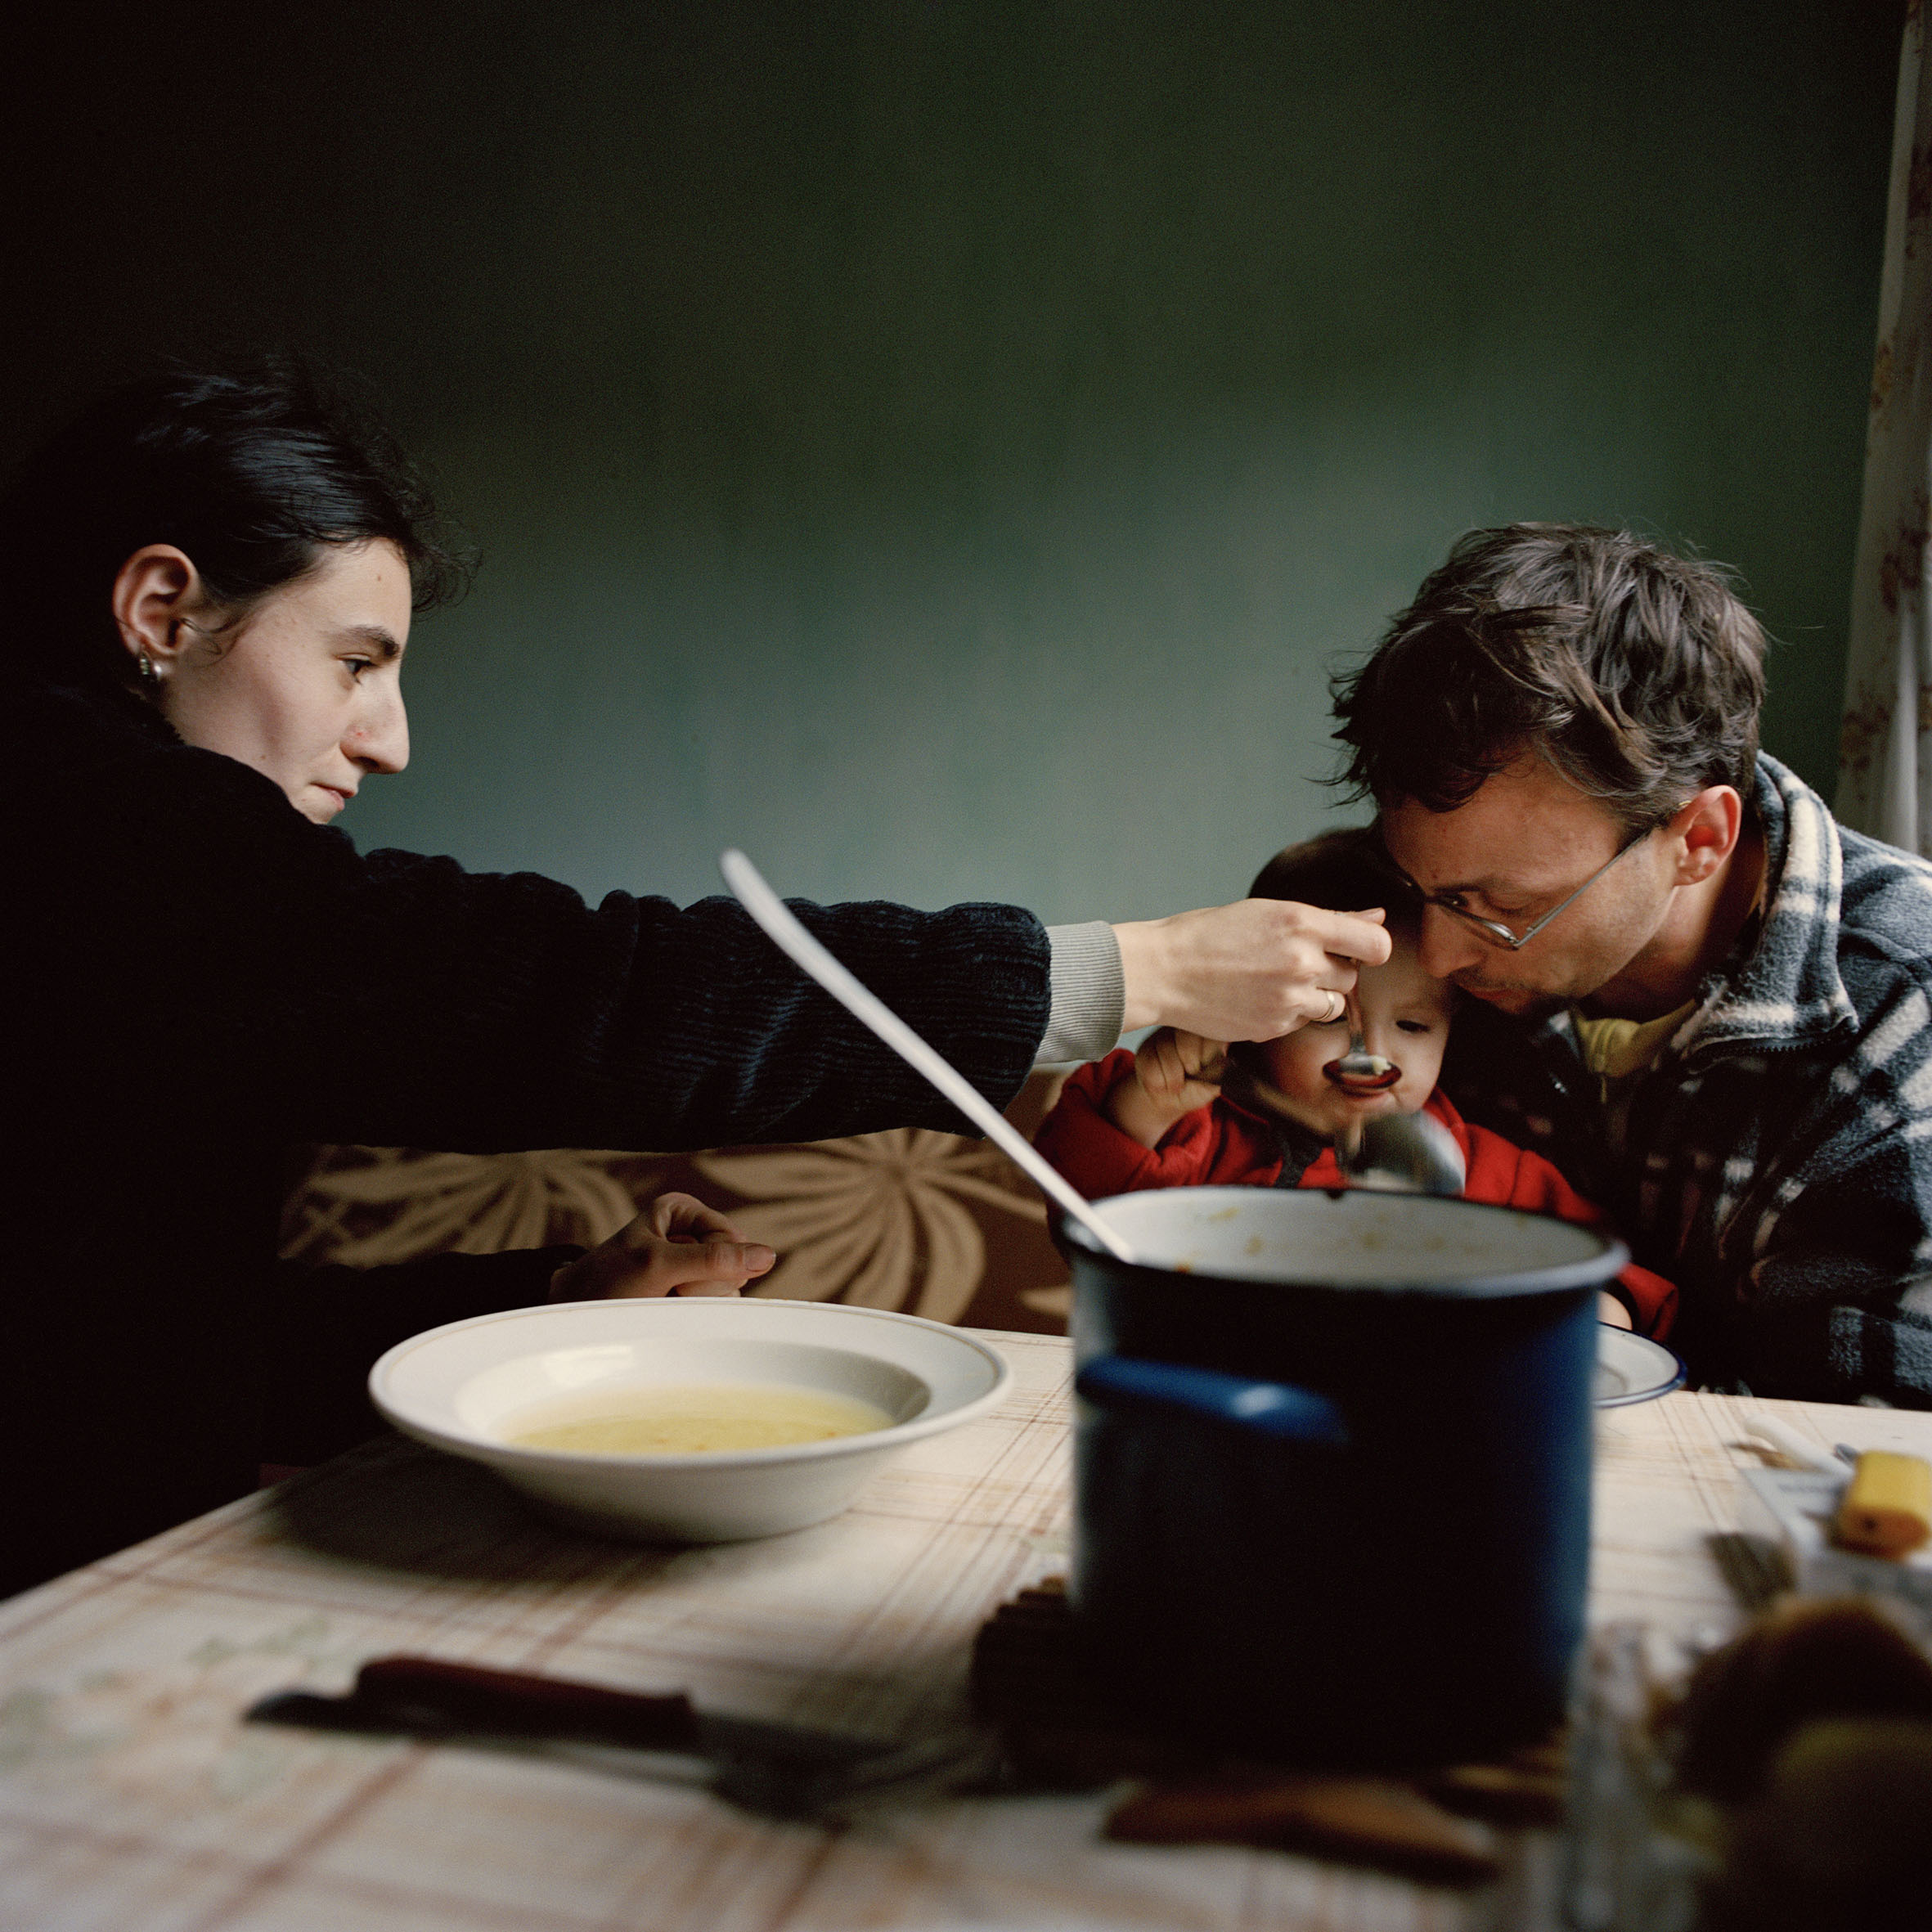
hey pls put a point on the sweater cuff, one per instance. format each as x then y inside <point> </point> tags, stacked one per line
<point>1089,993</point>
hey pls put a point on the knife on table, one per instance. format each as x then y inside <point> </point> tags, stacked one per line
<point>782,1769</point>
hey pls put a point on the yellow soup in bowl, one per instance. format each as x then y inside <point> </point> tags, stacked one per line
<point>692,1418</point>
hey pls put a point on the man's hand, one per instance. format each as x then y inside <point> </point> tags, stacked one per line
<point>1254,970</point>
<point>1173,1073</point>
<point>677,1245</point>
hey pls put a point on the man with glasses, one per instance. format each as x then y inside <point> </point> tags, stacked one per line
<point>1706,1001</point>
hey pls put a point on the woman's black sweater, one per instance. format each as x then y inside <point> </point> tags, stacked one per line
<point>201,977</point>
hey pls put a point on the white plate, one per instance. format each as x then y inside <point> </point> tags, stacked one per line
<point>1630,1368</point>
<point>456,1387</point>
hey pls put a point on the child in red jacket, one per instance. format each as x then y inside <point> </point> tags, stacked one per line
<point>1160,1119</point>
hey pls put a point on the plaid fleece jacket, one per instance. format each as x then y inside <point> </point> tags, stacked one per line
<point>1777,1158</point>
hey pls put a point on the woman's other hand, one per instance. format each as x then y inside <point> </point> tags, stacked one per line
<point>1254,970</point>
<point>677,1245</point>
<point>1173,1073</point>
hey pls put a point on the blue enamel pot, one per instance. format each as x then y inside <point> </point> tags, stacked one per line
<point>1332,1460</point>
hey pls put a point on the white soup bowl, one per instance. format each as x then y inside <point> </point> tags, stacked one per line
<point>460,1388</point>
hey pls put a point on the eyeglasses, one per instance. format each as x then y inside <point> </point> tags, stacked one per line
<point>1494,930</point>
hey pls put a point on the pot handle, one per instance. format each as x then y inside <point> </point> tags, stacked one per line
<point>1274,1409</point>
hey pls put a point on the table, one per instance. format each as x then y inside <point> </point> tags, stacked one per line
<point>131,1800</point>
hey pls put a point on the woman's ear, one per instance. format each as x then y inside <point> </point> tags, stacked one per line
<point>153,591</point>
<point>1706,829</point>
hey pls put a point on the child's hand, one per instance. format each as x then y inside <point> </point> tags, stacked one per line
<point>1173,1073</point>
<point>1180,1070</point>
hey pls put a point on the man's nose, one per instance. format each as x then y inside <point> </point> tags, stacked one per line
<point>1446,945</point>
<point>379,741</point>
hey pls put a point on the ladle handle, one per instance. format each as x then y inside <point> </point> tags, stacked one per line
<point>784,930</point>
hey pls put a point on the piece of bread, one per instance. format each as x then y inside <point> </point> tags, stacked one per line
<point>1805,1661</point>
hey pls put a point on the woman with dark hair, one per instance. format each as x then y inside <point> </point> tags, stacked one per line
<point>248,472</point>
<point>211,580</point>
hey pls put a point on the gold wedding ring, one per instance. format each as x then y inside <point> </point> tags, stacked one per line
<point>1336,1010</point>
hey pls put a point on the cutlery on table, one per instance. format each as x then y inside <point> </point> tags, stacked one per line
<point>783,1769</point>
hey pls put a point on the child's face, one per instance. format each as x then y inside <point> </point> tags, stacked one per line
<point>1405,1017</point>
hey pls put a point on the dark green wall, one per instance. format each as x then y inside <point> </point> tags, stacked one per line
<point>944,448</point>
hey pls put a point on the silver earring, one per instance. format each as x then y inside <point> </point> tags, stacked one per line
<point>145,665</point>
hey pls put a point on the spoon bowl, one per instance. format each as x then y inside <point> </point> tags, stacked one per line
<point>1358,1063</point>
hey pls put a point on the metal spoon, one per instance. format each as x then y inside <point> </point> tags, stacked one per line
<point>1408,1153</point>
<point>1358,1063</point>
<point>775,917</point>
<point>1400,1153</point>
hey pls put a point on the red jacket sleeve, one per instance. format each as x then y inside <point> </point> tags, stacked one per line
<point>1212,1147</point>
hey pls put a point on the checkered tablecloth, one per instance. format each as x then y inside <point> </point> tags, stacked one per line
<point>133,1799</point>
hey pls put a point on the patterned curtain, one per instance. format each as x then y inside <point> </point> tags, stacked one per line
<point>1885,771</point>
